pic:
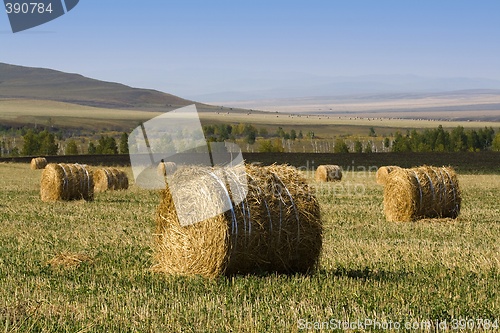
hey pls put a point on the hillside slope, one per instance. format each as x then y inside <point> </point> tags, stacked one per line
<point>47,84</point>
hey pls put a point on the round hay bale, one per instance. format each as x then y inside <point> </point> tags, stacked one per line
<point>383,172</point>
<point>276,228</point>
<point>64,182</point>
<point>110,179</point>
<point>38,163</point>
<point>328,173</point>
<point>423,192</point>
<point>166,167</point>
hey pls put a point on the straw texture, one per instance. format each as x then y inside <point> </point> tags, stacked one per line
<point>110,179</point>
<point>277,226</point>
<point>383,173</point>
<point>328,173</point>
<point>38,163</point>
<point>66,182</point>
<point>423,192</point>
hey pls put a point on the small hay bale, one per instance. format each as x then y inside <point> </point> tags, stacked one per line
<point>165,168</point>
<point>276,228</point>
<point>328,173</point>
<point>64,182</point>
<point>110,179</point>
<point>383,172</point>
<point>423,192</point>
<point>69,260</point>
<point>38,163</point>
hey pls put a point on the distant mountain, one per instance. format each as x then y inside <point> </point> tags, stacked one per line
<point>259,86</point>
<point>47,84</point>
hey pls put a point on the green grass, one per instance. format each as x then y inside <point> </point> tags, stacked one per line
<point>370,269</point>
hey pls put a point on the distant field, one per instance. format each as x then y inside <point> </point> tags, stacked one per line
<point>60,114</point>
<point>424,273</point>
<point>458,105</point>
<point>76,116</point>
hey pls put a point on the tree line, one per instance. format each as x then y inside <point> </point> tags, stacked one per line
<point>439,140</point>
<point>44,143</point>
<point>459,139</point>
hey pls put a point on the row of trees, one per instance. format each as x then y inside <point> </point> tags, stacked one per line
<point>41,143</point>
<point>431,140</point>
<point>44,143</point>
<point>108,145</point>
<point>439,140</point>
<point>248,132</point>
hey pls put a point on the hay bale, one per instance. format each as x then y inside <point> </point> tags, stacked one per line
<point>423,192</point>
<point>328,173</point>
<point>38,163</point>
<point>383,173</point>
<point>166,167</point>
<point>110,179</point>
<point>276,228</point>
<point>66,182</point>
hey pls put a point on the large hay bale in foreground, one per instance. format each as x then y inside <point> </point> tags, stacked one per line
<point>110,179</point>
<point>328,173</point>
<point>277,227</point>
<point>66,182</point>
<point>166,167</point>
<point>423,192</point>
<point>383,173</point>
<point>38,163</point>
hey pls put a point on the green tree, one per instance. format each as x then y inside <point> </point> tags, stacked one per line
<point>124,143</point>
<point>442,140</point>
<point>208,130</point>
<point>31,143</point>
<point>71,148</point>
<point>92,150</point>
<point>387,143</point>
<point>107,145</point>
<point>473,143</point>
<point>458,139</point>
<point>368,148</point>
<point>486,136</point>
<point>372,132</point>
<point>300,136</point>
<point>250,139</point>
<point>223,131</point>
<point>401,143</point>
<point>293,135</point>
<point>358,146</point>
<point>271,146</point>
<point>340,146</point>
<point>48,145</point>
<point>14,152</point>
<point>496,142</point>
<point>263,132</point>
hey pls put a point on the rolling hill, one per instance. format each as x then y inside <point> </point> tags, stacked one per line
<point>20,82</point>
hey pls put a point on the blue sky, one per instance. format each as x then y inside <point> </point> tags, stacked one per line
<point>186,46</point>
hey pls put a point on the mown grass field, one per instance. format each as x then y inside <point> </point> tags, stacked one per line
<point>428,271</point>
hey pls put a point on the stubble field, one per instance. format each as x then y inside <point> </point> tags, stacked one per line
<point>84,267</point>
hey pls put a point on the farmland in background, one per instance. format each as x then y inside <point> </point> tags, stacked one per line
<point>319,132</point>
